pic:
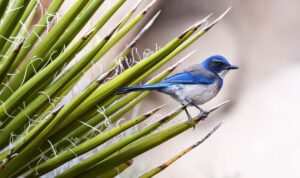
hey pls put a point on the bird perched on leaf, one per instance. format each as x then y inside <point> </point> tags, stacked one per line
<point>194,86</point>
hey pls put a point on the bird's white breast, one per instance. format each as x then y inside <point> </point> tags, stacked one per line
<point>198,94</point>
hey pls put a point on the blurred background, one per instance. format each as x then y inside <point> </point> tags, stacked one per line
<point>261,125</point>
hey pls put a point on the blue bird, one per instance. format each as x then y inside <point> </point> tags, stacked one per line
<point>194,86</point>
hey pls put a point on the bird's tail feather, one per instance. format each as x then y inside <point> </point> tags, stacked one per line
<point>139,88</point>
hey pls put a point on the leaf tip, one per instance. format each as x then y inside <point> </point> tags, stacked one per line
<point>17,50</point>
<point>218,106</point>
<point>57,110</point>
<point>150,5</point>
<point>150,113</point>
<point>217,20</point>
<point>88,34</point>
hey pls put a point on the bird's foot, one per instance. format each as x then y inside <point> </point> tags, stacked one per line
<point>204,114</point>
<point>190,122</point>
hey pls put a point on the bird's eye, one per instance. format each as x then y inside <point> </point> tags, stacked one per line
<point>218,62</point>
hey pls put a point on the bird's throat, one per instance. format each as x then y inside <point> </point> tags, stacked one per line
<point>222,73</point>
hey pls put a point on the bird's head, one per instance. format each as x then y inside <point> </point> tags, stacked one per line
<point>218,65</point>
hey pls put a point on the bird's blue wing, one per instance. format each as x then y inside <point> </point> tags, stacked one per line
<point>189,78</point>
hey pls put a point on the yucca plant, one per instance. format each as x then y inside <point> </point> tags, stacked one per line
<point>38,132</point>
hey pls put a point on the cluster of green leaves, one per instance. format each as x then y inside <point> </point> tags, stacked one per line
<point>37,133</point>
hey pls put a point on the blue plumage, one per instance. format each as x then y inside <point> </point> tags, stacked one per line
<point>142,87</point>
<point>194,86</point>
<point>189,78</point>
<point>180,78</point>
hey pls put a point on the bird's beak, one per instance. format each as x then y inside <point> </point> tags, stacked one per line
<point>232,67</point>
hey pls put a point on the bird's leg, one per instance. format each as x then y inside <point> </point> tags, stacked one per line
<point>189,116</point>
<point>202,111</point>
<point>187,113</point>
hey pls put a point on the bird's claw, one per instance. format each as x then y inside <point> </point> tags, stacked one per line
<point>204,114</point>
<point>189,121</point>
